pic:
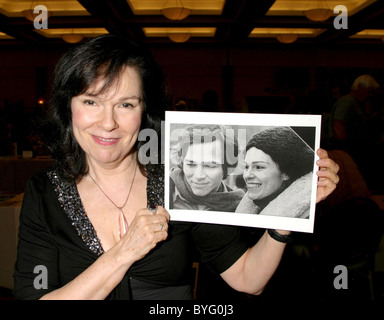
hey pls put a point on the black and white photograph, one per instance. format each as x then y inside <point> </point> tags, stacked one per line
<point>242,169</point>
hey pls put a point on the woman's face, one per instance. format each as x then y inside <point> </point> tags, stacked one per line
<point>203,168</point>
<point>107,125</point>
<point>261,174</point>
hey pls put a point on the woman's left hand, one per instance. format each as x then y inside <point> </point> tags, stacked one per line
<point>327,174</point>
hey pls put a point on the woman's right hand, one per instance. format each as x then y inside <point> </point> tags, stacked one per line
<point>146,230</point>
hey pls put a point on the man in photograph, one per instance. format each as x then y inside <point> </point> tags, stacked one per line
<point>204,155</point>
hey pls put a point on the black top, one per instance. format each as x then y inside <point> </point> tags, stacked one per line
<point>55,232</point>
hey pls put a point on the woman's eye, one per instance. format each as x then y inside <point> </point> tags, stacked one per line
<point>90,102</point>
<point>126,105</point>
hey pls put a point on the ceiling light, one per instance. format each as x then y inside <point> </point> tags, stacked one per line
<point>179,37</point>
<point>72,38</point>
<point>318,14</point>
<point>287,38</point>
<point>175,11</point>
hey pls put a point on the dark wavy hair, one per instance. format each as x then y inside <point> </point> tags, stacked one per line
<point>103,57</point>
<point>202,133</point>
<point>286,148</point>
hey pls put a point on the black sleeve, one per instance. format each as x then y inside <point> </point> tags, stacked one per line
<point>220,246</point>
<point>35,247</point>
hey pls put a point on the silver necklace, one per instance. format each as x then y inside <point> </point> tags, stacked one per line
<point>123,224</point>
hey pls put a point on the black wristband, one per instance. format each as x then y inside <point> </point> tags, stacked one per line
<point>279,237</point>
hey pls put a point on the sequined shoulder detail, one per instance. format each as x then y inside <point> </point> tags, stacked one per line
<point>155,184</point>
<point>70,201</point>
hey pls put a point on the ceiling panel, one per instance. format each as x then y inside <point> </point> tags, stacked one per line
<point>198,7</point>
<point>228,22</point>
<point>14,8</point>
<point>369,34</point>
<point>273,32</point>
<point>58,32</point>
<point>4,36</point>
<point>297,7</point>
<point>194,32</point>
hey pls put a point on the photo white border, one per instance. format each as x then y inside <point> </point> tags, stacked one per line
<point>243,119</point>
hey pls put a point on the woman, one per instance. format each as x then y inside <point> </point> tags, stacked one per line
<point>278,174</point>
<point>87,222</point>
<point>196,183</point>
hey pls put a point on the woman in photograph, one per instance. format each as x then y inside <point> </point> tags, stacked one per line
<point>96,221</point>
<point>203,158</point>
<point>278,174</point>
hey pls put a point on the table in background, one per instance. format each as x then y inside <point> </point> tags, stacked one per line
<point>9,225</point>
<point>15,171</point>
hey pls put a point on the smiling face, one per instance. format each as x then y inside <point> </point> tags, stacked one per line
<point>202,167</point>
<point>106,125</point>
<point>261,174</point>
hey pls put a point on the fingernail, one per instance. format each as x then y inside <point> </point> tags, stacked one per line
<point>152,208</point>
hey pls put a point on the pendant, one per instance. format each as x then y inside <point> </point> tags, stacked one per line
<point>123,224</point>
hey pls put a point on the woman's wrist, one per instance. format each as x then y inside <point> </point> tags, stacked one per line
<point>282,236</point>
<point>283,232</point>
<point>120,257</point>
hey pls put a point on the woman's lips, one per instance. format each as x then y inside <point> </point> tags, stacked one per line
<point>253,185</point>
<point>105,141</point>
